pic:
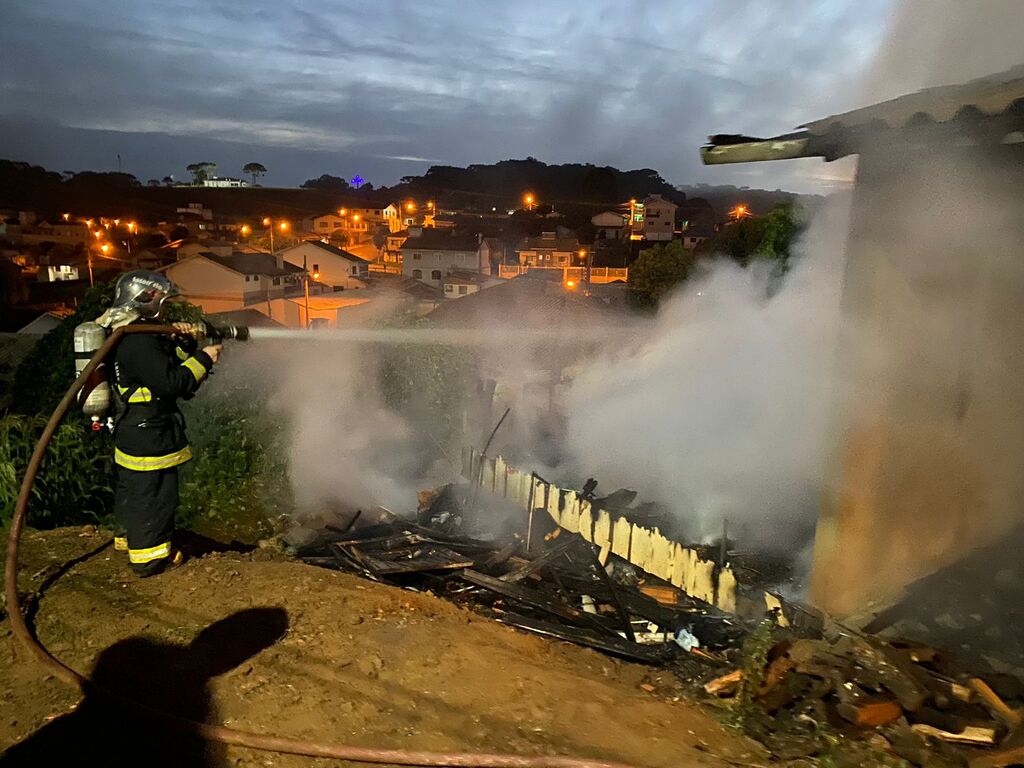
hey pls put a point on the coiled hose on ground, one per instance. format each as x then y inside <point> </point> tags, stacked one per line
<point>205,731</point>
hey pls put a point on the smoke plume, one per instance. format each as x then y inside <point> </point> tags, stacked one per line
<point>723,411</point>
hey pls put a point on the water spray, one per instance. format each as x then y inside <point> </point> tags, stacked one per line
<point>215,733</point>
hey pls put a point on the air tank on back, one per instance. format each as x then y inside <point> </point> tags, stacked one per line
<point>94,397</point>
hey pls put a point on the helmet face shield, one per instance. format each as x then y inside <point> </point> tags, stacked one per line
<point>143,292</point>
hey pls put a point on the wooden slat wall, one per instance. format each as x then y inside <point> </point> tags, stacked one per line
<point>645,548</point>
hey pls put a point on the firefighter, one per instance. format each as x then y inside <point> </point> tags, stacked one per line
<point>151,373</point>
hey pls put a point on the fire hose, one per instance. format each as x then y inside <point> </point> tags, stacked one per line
<point>215,733</point>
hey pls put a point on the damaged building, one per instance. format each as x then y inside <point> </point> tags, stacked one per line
<point>927,467</point>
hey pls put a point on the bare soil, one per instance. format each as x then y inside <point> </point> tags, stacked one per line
<point>358,662</point>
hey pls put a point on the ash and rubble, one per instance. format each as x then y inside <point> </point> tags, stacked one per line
<point>803,685</point>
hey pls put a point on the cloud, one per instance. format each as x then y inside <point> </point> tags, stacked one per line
<point>630,84</point>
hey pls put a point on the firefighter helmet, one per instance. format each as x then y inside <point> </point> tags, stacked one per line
<point>143,292</point>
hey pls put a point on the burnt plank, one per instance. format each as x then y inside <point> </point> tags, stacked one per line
<point>530,597</point>
<point>612,644</point>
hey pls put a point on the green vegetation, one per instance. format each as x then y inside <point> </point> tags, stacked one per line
<point>427,384</point>
<point>74,481</point>
<point>237,481</point>
<point>657,272</point>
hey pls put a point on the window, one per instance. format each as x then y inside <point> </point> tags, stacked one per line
<point>322,224</point>
<point>449,289</point>
<point>316,267</point>
<point>416,257</point>
<point>435,275</point>
<point>277,281</point>
<point>463,290</point>
<point>355,270</point>
<point>418,274</point>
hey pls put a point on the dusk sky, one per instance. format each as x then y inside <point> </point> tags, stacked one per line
<point>385,89</point>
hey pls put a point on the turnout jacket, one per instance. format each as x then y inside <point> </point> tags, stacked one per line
<point>151,372</point>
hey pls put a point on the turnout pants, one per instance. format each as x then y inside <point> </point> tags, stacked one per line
<point>144,505</point>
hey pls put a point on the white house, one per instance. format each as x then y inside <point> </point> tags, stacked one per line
<point>226,181</point>
<point>337,267</point>
<point>610,225</point>
<point>548,250</point>
<point>458,284</point>
<point>430,254</point>
<point>224,283</point>
<point>659,218</point>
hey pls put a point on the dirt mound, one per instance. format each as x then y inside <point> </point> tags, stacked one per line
<point>358,662</point>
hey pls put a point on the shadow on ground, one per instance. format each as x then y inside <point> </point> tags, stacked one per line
<point>168,677</point>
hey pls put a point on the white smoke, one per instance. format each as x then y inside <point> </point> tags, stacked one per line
<point>723,412</point>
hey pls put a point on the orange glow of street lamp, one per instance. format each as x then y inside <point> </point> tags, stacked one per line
<point>570,284</point>
<point>266,222</point>
<point>283,226</point>
<point>117,222</point>
<point>105,248</point>
<point>355,217</point>
<point>66,216</point>
<point>97,234</point>
<point>316,275</point>
<point>342,211</point>
<point>583,253</point>
<point>88,223</point>
<point>740,211</point>
<point>410,206</point>
<point>245,229</point>
<point>528,198</point>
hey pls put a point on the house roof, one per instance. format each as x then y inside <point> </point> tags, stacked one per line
<point>248,317</point>
<point>549,244</point>
<point>534,302</point>
<point>252,263</point>
<point>835,136</point>
<point>337,251</point>
<point>434,239</point>
<point>990,95</point>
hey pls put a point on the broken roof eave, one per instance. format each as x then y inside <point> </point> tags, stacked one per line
<point>749,150</point>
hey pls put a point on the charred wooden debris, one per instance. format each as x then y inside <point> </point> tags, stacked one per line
<point>797,683</point>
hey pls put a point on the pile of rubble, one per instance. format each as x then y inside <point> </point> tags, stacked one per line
<point>795,688</point>
<point>903,698</point>
<point>566,589</point>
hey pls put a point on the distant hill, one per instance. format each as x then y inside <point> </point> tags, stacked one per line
<point>578,190</point>
<point>503,184</point>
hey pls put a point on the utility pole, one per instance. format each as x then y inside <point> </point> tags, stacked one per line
<point>305,279</point>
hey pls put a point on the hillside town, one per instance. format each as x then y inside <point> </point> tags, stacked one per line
<point>312,271</point>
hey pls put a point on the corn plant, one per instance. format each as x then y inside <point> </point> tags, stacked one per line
<point>73,485</point>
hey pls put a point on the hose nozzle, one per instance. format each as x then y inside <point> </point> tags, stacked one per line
<point>221,333</point>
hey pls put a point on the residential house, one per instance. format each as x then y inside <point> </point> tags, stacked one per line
<point>224,182</point>
<point>43,324</point>
<point>64,232</point>
<point>494,252</point>
<point>659,218</point>
<point>430,254</point>
<point>548,251</point>
<point>393,217</point>
<point>697,233</point>
<point>224,283</point>
<point>459,283</point>
<point>337,268</point>
<point>610,225</point>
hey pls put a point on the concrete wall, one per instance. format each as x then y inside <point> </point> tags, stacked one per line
<point>931,438</point>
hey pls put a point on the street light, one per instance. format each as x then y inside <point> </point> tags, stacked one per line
<point>245,230</point>
<point>105,248</point>
<point>410,206</point>
<point>528,200</point>
<point>66,216</point>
